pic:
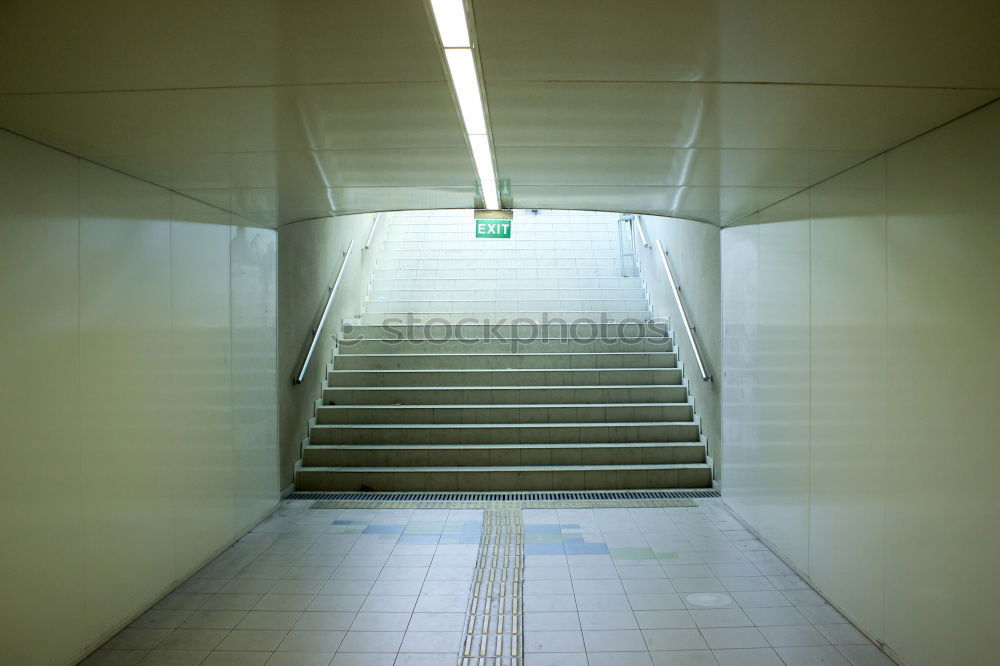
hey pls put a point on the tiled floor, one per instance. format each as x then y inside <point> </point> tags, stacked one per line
<point>622,587</point>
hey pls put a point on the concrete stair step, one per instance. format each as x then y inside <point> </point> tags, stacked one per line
<point>505,433</point>
<point>490,305</point>
<point>484,274</point>
<point>502,395</point>
<point>490,413</point>
<point>529,248</point>
<point>465,292</point>
<point>553,328</point>
<point>464,222</point>
<point>562,477</point>
<point>464,455</point>
<point>509,284</point>
<point>583,317</point>
<point>520,377</point>
<point>431,346</point>
<point>547,360</point>
<point>513,263</point>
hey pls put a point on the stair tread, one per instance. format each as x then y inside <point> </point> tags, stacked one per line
<point>520,405</point>
<point>583,424</point>
<point>511,468</point>
<point>477,355</point>
<point>504,388</point>
<point>544,445</point>
<point>472,340</point>
<point>488,369</point>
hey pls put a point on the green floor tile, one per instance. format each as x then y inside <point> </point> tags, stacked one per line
<point>633,553</point>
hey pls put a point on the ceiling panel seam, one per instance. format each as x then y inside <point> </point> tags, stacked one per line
<point>867,159</point>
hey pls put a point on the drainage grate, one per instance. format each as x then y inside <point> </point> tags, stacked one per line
<point>541,496</point>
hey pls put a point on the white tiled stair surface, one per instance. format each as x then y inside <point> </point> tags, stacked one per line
<point>527,363</point>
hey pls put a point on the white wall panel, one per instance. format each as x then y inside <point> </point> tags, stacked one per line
<point>41,572</point>
<point>943,535</point>
<point>896,264</point>
<point>200,380</point>
<point>782,384</point>
<point>122,469</point>
<point>125,326</point>
<point>848,421</point>
<point>253,313</point>
<point>740,250</point>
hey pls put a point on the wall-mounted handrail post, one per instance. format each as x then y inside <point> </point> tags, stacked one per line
<point>642,232</point>
<point>371,234</point>
<point>684,318</point>
<point>314,340</point>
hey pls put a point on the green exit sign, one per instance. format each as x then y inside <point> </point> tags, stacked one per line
<point>492,228</point>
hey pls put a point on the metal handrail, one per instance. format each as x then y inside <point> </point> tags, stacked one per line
<point>371,234</point>
<point>642,232</point>
<point>326,312</point>
<point>684,318</point>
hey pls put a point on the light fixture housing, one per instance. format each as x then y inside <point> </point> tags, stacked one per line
<point>453,30</point>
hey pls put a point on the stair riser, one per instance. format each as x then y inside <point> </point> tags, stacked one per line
<point>484,481</point>
<point>362,415</point>
<point>608,360</point>
<point>497,263</point>
<point>508,284</point>
<point>636,305</point>
<point>524,346</point>
<point>490,275</point>
<point>452,293</point>
<point>500,396</point>
<point>415,240</point>
<point>582,331</point>
<point>574,318</point>
<point>605,377</point>
<point>465,231</point>
<point>540,250</point>
<point>429,228</point>
<point>473,434</point>
<point>483,457</point>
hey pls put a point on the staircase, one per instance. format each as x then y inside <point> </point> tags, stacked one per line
<point>456,377</point>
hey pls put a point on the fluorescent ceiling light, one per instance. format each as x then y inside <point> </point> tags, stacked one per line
<point>449,15</point>
<point>450,18</point>
<point>470,102</point>
<point>482,156</point>
<point>490,199</point>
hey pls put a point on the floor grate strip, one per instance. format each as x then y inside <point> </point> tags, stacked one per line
<point>541,496</point>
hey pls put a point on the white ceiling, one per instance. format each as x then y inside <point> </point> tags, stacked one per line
<point>281,110</point>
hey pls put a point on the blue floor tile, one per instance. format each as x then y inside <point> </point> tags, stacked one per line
<point>383,529</point>
<point>543,549</point>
